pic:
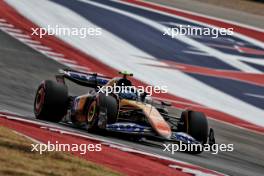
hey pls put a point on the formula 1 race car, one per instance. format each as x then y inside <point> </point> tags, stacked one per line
<point>127,112</point>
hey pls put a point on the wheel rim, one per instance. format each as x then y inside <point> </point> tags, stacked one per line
<point>40,100</point>
<point>91,112</point>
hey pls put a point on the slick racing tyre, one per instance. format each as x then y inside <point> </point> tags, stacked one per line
<point>111,105</point>
<point>103,104</point>
<point>92,115</point>
<point>196,125</point>
<point>51,101</point>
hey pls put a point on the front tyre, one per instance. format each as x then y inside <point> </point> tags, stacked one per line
<point>105,104</point>
<point>51,101</point>
<point>196,125</point>
<point>92,115</point>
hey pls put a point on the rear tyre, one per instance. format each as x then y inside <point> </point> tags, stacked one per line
<point>51,101</point>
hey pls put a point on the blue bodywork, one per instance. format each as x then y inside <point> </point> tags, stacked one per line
<point>128,128</point>
<point>133,128</point>
<point>184,137</point>
<point>87,77</point>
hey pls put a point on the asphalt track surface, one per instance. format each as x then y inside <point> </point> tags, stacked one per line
<point>22,70</point>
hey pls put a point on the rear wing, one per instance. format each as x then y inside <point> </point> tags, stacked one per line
<point>82,78</point>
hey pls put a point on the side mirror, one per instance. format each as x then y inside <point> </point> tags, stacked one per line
<point>143,96</point>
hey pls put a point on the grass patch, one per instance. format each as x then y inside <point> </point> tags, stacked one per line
<point>16,158</point>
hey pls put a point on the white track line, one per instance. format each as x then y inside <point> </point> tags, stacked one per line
<point>30,138</point>
<point>6,25</point>
<point>29,41</point>
<point>254,95</point>
<point>11,29</point>
<point>190,171</point>
<point>2,20</point>
<point>50,53</point>
<point>197,53</point>
<point>41,47</point>
<point>64,60</point>
<point>19,35</point>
